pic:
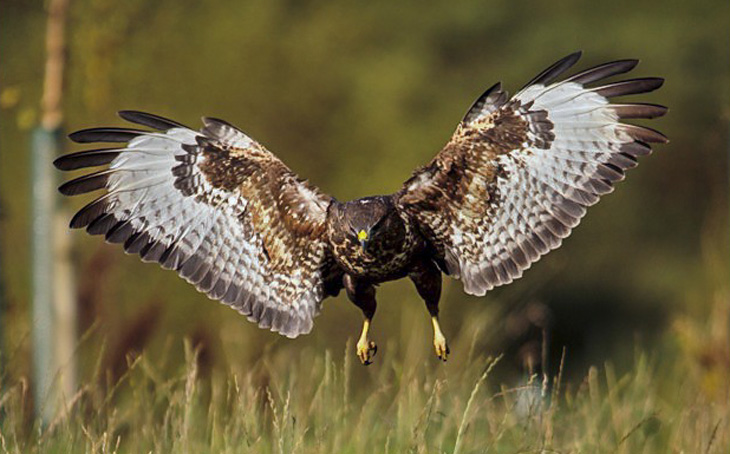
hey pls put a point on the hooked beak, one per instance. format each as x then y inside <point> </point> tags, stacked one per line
<point>363,236</point>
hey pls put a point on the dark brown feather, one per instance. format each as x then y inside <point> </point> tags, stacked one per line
<point>555,70</point>
<point>87,183</point>
<point>644,134</point>
<point>603,71</point>
<point>638,110</point>
<point>629,87</point>
<point>88,213</point>
<point>102,224</point>
<point>149,120</point>
<point>105,135</point>
<point>87,158</point>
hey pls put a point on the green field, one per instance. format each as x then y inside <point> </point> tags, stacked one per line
<point>324,402</point>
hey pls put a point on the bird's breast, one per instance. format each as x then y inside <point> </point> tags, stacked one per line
<point>383,259</point>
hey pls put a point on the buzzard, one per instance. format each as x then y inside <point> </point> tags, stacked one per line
<point>233,220</point>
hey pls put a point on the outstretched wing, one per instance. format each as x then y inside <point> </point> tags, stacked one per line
<point>517,175</point>
<point>216,207</point>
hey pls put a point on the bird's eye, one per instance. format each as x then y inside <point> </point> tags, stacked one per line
<point>378,224</point>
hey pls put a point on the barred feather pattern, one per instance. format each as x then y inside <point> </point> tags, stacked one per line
<point>218,208</point>
<point>518,174</point>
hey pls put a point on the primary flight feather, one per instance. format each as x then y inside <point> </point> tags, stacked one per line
<point>232,219</point>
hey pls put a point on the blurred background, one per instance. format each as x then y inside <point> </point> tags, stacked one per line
<point>354,96</point>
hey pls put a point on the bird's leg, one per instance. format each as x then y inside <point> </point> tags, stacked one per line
<point>427,279</point>
<point>363,295</point>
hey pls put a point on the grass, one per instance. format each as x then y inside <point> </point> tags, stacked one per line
<point>673,396</point>
<point>316,404</point>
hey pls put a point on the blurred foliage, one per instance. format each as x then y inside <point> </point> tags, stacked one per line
<point>354,96</point>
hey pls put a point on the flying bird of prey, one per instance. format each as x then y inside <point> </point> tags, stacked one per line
<point>232,219</point>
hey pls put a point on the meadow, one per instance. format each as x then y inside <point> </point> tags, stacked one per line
<point>676,401</point>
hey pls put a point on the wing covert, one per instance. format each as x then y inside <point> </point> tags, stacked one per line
<point>518,173</point>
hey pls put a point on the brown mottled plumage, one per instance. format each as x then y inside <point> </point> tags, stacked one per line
<point>233,220</point>
<point>393,243</point>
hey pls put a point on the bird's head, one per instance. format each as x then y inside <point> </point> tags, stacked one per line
<point>368,219</point>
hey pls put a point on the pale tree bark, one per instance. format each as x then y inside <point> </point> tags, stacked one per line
<point>54,299</point>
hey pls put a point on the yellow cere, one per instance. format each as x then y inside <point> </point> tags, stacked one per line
<point>362,235</point>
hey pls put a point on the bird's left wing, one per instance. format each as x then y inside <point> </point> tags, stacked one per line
<point>215,206</point>
<point>518,173</point>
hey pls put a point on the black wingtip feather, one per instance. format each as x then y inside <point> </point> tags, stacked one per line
<point>629,87</point>
<point>639,110</point>
<point>120,232</point>
<point>84,184</point>
<point>88,213</point>
<point>137,242</point>
<point>102,224</point>
<point>150,120</point>
<point>87,158</point>
<point>603,71</point>
<point>555,70</point>
<point>637,148</point>
<point>105,135</point>
<point>644,134</point>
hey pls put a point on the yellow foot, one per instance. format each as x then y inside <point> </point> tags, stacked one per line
<point>442,349</point>
<point>439,341</point>
<point>366,350</point>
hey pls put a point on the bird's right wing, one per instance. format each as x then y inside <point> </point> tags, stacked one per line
<point>518,174</point>
<point>215,206</point>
